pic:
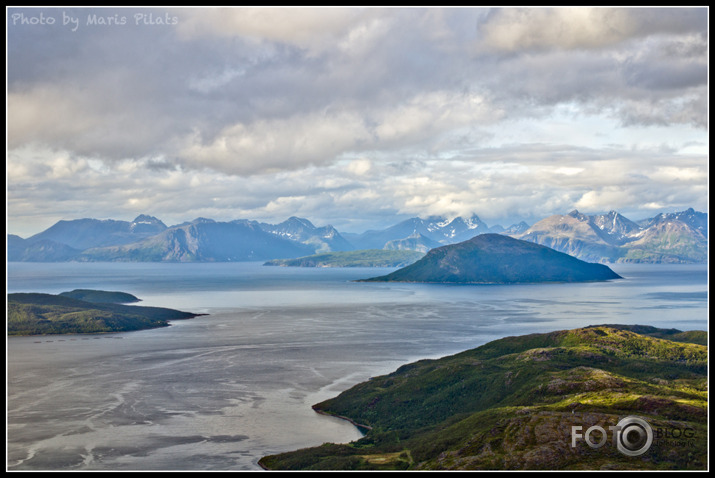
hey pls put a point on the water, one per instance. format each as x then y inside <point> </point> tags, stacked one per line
<point>220,391</point>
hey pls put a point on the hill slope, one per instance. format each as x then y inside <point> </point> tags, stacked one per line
<point>511,404</point>
<point>498,259</point>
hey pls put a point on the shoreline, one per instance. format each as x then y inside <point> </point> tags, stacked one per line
<point>363,429</point>
<point>359,426</point>
<point>42,314</point>
<point>118,331</point>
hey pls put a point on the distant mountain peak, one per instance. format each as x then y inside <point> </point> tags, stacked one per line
<point>295,220</point>
<point>516,228</point>
<point>146,225</point>
<point>577,215</point>
<point>145,218</point>
<point>324,239</point>
<point>474,222</point>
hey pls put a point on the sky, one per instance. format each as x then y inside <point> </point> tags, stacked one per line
<point>354,117</point>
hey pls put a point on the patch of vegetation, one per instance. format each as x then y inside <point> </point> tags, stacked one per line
<point>43,314</point>
<point>101,296</point>
<point>360,258</point>
<point>511,403</point>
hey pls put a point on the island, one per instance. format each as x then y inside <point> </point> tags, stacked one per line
<point>43,314</point>
<point>359,258</point>
<point>497,259</point>
<point>525,403</point>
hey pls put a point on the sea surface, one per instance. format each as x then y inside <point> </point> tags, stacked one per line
<point>220,391</point>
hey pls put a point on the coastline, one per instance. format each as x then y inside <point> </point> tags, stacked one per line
<point>61,334</point>
<point>42,314</point>
<point>359,426</point>
<point>572,379</point>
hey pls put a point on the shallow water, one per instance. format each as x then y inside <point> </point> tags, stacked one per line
<point>218,392</point>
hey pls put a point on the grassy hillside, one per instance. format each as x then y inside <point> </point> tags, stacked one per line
<point>511,403</point>
<point>360,258</point>
<point>41,314</point>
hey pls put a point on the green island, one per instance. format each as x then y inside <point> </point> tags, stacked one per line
<point>97,312</point>
<point>511,405</point>
<point>359,258</point>
<point>497,259</point>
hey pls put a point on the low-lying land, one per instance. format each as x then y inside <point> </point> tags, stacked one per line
<point>101,296</point>
<point>361,258</point>
<point>526,403</point>
<point>42,314</point>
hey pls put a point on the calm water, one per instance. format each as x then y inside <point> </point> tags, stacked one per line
<point>220,391</point>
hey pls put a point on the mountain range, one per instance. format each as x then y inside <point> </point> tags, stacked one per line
<point>432,231</point>
<point>671,238</point>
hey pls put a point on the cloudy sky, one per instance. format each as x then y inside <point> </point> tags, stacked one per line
<point>357,118</point>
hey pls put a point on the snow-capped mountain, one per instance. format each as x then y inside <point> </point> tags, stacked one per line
<point>611,237</point>
<point>439,229</point>
<point>617,228</point>
<point>694,219</point>
<point>674,237</point>
<point>144,224</point>
<point>324,239</point>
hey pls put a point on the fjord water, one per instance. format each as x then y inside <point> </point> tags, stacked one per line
<point>219,391</point>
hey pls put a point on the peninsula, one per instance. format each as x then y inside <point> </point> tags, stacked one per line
<point>44,314</point>
<point>511,404</point>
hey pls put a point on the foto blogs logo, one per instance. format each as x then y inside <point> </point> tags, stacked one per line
<point>632,436</point>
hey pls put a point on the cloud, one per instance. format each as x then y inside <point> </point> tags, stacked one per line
<point>86,122</point>
<point>500,185</point>
<point>324,136</point>
<point>359,116</point>
<point>534,29</point>
<point>359,167</point>
<point>312,29</point>
<point>269,145</point>
<point>224,79</point>
<point>646,66</point>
